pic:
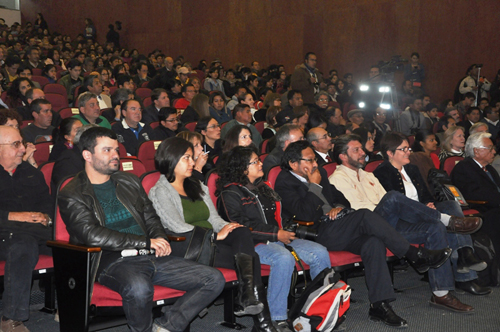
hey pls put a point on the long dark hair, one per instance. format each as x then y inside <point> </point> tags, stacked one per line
<point>232,166</point>
<point>167,157</point>
<point>64,129</point>
<point>421,136</point>
<point>232,137</point>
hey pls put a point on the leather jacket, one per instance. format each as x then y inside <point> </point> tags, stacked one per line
<point>238,204</point>
<point>84,216</point>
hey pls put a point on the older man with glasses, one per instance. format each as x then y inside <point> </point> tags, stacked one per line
<point>26,208</point>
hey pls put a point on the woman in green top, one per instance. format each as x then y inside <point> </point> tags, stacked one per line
<point>184,206</point>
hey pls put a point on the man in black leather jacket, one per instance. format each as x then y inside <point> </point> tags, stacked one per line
<point>110,209</point>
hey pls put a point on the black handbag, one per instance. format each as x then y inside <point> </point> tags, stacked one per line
<point>199,246</point>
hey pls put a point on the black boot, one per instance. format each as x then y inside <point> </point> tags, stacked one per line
<point>262,322</point>
<point>247,299</point>
<point>467,261</point>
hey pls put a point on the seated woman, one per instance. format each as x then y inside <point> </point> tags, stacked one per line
<point>209,128</point>
<point>246,199</point>
<point>200,157</point>
<point>239,135</point>
<point>249,100</point>
<point>270,125</point>
<point>212,82</point>
<point>396,173</point>
<point>185,208</point>
<point>425,143</point>
<point>198,108</point>
<point>367,140</point>
<point>50,73</point>
<point>64,136</point>
<point>17,91</point>
<point>453,144</point>
<point>218,109</point>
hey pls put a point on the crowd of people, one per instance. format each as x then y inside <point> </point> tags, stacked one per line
<point>301,119</point>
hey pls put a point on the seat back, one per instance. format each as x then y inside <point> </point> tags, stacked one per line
<point>47,168</point>
<point>132,165</point>
<point>146,154</point>
<point>449,163</point>
<point>123,151</point>
<point>60,231</point>
<point>330,168</point>
<point>273,174</point>
<point>371,166</point>
<point>144,84</point>
<point>68,112</point>
<point>260,126</point>
<point>146,102</point>
<point>55,88</point>
<point>211,183</point>
<point>58,102</point>
<point>190,126</point>
<point>263,146</point>
<point>112,89</point>
<point>43,81</point>
<point>42,152</point>
<point>143,92</point>
<point>263,156</point>
<point>26,123</point>
<point>149,179</point>
<point>411,140</point>
<point>153,125</point>
<point>36,72</point>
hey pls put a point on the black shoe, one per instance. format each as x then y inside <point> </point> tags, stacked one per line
<point>384,313</point>
<point>262,322</point>
<point>467,261</point>
<point>472,288</point>
<point>430,259</point>
<point>247,302</point>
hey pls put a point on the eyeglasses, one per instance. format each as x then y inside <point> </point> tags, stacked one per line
<point>309,160</point>
<point>405,149</point>
<point>213,126</point>
<point>246,136</point>
<point>254,162</point>
<point>486,147</point>
<point>325,136</point>
<point>173,120</point>
<point>15,144</point>
<point>381,114</point>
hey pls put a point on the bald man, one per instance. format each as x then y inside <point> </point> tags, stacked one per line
<point>25,212</point>
<point>322,144</point>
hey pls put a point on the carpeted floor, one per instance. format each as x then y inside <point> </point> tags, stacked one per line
<point>412,304</point>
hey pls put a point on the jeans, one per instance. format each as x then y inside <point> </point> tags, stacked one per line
<point>133,278</point>
<point>282,264</point>
<point>456,241</point>
<point>20,252</point>
<point>419,224</point>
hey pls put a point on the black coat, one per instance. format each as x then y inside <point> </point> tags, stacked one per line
<point>298,201</point>
<point>475,184</point>
<point>390,178</point>
<point>150,114</point>
<point>129,140</point>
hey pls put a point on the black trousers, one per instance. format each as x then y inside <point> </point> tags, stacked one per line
<point>367,234</point>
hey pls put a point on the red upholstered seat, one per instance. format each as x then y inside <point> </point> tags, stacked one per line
<point>146,102</point>
<point>260,126</point>
<point>190,126</point>
<point>55,88</point>
<point>149,179</point>
<point>146,154</point>
<point>273,174</point>
<point>263,156</point>
<point>449,163</point>
<point>44,262</point>
<point>58,102</point>
<point>46,169</point>
<point>371,166</point>
<point>42,152</point>
<point>132,165</point>
<point>68,112</point>
<point>263,146</point>
<point>41,80</point>
<point>210,182</point>
<point>330,168</point>
<point>105,297</point>
<point>143,92</point>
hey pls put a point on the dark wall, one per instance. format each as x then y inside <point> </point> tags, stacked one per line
<point>346,35</point>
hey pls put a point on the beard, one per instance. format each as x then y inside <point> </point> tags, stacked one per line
<point>105,167</point>
<point>356,163</point>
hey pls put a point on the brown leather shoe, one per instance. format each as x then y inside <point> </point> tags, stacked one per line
<point>464,225</point>
<point>13,326</point>
<point>450,302</point>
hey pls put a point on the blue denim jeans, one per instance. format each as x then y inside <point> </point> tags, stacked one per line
<point>456,241</point>
<point>419,224</point>
<point>282,263</point>
<point>20,252</point>
<point>133,278</point>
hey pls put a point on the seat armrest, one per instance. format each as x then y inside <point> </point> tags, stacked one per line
<point>76,247</point>
<point>304,223</point>
<point>173,238</point>
<point>477,202</point>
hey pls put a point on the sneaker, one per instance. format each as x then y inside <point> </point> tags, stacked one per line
<point>13,326</point>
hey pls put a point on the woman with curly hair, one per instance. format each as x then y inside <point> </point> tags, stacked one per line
<point>17,91</point>
<point>184,206</point>
<point>246,199</point>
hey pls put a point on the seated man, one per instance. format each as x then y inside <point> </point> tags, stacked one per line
<point>73,79</point>
<point>40,130</point>
<point>479,181</point>
<point>467,101</point>
<point>307,195</point>
<point>287,134</point>
<point>363,190</point>
<point>25,111</point>
<point>243,116</point>
<point>472,116</point>
<point>114,114</point>
<point>100,208</point>
<point>336,123</point>
<point>131,131</point>
<point>322,145</point>
<point>412,119</point>
<point>169,124</point>
<point>90,111</point>
<point>125,82</point>
<point>25,210</point>
<point>93,84</point>
<point>160,99</point>
<point>188,93</point>
<point>491,119</point>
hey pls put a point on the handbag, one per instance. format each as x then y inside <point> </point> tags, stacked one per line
<point>199,246</point>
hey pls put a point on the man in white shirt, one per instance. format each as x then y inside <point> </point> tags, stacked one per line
<point>415,221</point>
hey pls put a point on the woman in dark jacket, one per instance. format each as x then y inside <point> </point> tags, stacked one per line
<point>246,199</point>
<point>396,173</point>
<point>64,136</point>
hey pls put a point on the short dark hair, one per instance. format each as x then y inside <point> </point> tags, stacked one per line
<point>415,54</point>
<point>167,157</point>
<point>471,109</point>
<point>341,145</point>
<point>487,110</point>
<point>120,80</point>
<point>470,95</point>
<point>202,124</point>
<point>165,112</point>
<point>390,142</point>
<point>292,93</point>
<point>73,63</point>
<point>119,96</point>
<point>88,81</point>
<point>306,57</point>
<point>7,113</point>
<point>185,86</point>
<point>126,102</point>
<point>12,60</point>
<point>88,140</point>
<point>156,93</point>
<point>239,108</point>
<point>293,153</point>
<point>36,105</point>
<point>421,136</point>
<point>64,129</point>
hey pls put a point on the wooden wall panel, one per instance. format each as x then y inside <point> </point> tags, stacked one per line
<point>346,35</point>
